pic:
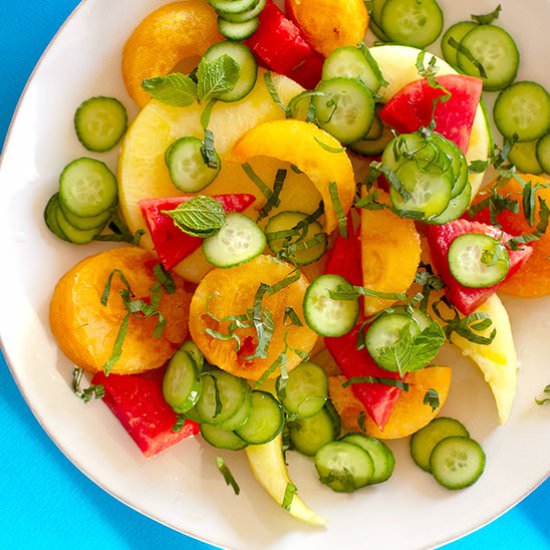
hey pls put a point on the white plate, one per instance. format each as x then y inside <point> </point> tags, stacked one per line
<point>183,488</point>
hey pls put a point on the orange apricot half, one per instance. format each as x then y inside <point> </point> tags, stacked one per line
<point>163,39</point>
<point>86,330</point>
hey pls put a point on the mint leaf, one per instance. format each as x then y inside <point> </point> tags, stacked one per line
<point>93,391</point>
<point>290,491</point>
<point>227,475</point>
<point>217,77</point>
<point>199,217</point>
<point>431,398</point>
<point>487,18</point>
<point>173,89</point>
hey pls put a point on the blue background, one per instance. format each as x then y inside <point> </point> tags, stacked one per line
<point>45,502</point>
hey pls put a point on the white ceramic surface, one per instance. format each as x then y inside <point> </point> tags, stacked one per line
<point>183,488</point>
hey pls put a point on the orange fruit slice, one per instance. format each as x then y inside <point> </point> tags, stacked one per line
<point>229,292</point>
<point>315,152</point>
<point>164,38</point>
<point>86,330</point>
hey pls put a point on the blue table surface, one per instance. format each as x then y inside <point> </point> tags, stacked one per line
<point>45,502</point>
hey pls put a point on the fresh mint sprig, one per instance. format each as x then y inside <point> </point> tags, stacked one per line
<point>201,216</point>
<point>174,89</point>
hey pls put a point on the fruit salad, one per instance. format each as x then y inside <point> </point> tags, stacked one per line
<point>306,220</point>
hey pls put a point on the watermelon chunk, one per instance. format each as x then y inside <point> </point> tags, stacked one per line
<point>378,399</point>
<point>411,108</point>
<point>171,244</point>
<point>440,237</point>
<point>137,401</point>
<point>278,44</point>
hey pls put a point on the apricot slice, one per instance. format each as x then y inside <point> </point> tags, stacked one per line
<point>86,330</point>
<point>228,292</point>
<point>390,254</point>
<point>329,24</point>
<point>533,279</point>
<point>410,412</point>
<point>315,152</point>
<point>164,38</point>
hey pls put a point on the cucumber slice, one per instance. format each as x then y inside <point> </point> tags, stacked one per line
<point>345,109</point>
<point>324,315</point>
<point>221,397</point>
<point>73,234</point>
<point>50,217</point>
<point>377,7</point>
<point>232,6</point>
<point>415,23</point>
<point>523,109</point>
<point>377,31</point>
<point>248,68</point>
<point>181,384</point>
<point>247,15</point>
<point>457,462</point>
<point>305,392</point>
<point>523,155</point>
<point>455,208</point>
<point>457,31</point>
<point>410,146</point>
<point>187,167</point>
<point>458,162</point>
<point>237,30</point>
<point>193,350</point>
<point>221,439</point>
<point>384,334</point>
<point>543,152</point>
<point>428,190</point>
<point>495,50</point>
<point>237,242</point>
<point>310,246</point>
<point>308,435</point>
<point>265,421</point>
<point>382,456</point>
<point>240,417</point>
<point>478,261</point>
<point>422,443</point>
<point>343,466</point>
<point>87,188</point>
<point>100,123</point>
<point>351,62</point>
<point>91,222</point>
<point>369,147</point>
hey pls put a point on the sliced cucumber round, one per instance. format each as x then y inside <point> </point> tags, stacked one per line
<point>50,217</point>
<point>523,155</point>
<point>87,188</point>
<point>308,435</point>
<point>457,462</point>
<point>351,62</point>
<point>523,110</point>
<point>325,315</point>
<point>181,384</point>
<point>343,466</point>
<point>382,456</point>
<point>455,208</point>
<point>345,109</point>
<point>422,443</point>
<point>72,233</point>
<point>495,50</point>
<point>457,32</point>
<point>305,391</point>
<point>306,245</point>
<point>415,23</point>
<point>100,123</point>
<point>248,68</point>
<point>232,6</point>
<point>247,15</point>
<point>478,261</point>
<point>237,242</point>
<point>187,167</point>
<point>543,152</point>
<point>237,30</point>
<point>221,439</point>
<point>265,421</point>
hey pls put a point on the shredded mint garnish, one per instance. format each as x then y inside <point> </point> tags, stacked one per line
<point>93,391</point>
<point>545,400</point>
<point>487,18</point>
<point>268,78</point>
<point>394,382</point>
<point>227,475</point>
<point>468,55</point>
<point>290,491</point>
<point>329,148</point>
<point>353,292</point>
<point>174,89</point>
<point>431,398</point>
<point>340,214</point>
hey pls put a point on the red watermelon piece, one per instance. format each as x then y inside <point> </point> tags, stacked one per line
<point>411,108</point>
<point>278,44</point>
<point>440,237</point>
<point>171,244</point>
<point>137,401</point>
<point>378,399</point>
